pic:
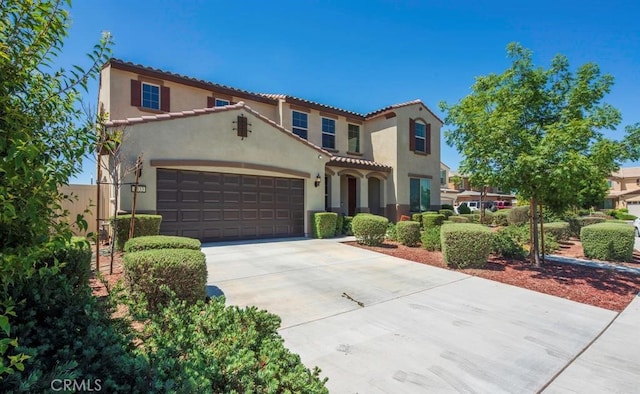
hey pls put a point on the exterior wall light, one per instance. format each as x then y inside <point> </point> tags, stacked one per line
<point>318,180</point>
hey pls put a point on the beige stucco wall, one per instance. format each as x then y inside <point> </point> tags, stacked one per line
<point>211,137</point>
<point>116,97</point>
<point>384,147</point>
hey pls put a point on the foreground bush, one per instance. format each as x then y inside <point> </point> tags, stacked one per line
<point>518,216</point>
<point>369,229</point>
<point>324,224</point>
<point>560,230</point>
<point>431,238</point>
<point>608,241</point>
<point>408,233</point>
<point>74,261</point>
<point>509,242</point>
<point>432,220</point>
<point>210,348</point>
<point>183,271</point>
<point>145,225</point>
<point>577,223</point>
<point>466,245</point>
<point>161,242</point>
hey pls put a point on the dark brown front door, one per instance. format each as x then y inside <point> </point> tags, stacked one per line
<point>352,196</point>
<point>214,206</point>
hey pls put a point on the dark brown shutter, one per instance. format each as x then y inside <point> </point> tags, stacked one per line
<point>428,139</point>
<point>136,93</point>
<point>165,99</point>
<point>412,135</point>
<point>211,102</point>
<point>242,126</point>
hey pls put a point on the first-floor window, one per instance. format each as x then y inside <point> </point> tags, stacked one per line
<point>328,133</point>
<point>419,194</point>
<point>150,96</point>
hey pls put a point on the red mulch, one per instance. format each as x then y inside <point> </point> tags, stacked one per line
<point>603,288</point>
<point>111,274</point>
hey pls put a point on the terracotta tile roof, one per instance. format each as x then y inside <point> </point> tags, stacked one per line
<point>390,108</point>
<point>313,104</point>
<point>629,172</point>
<point>350,162</point>
<point>204,111</point>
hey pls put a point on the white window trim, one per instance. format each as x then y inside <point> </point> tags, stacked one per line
<point>215,102</point>
<point>142,83</point>
<point>327,132</point>
<point>421,138</point>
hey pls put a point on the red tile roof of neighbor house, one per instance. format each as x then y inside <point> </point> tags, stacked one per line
<point>197,112</point>
<point>629,172</point>
<point>350,162</point>
<point>261,97</point>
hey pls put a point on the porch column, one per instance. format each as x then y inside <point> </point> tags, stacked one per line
<point>363,205</point>
<point>334,191</point>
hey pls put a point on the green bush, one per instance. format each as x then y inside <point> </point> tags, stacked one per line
<point>625,216</point>
<point>161,242</point>
<point>577,223</point>
<point>324,224</point>
<point>183,271</point>
<point>369,229</point>
<point>471,217</point>
<point>447,222</point>
<point>145,225</point>
<point>430,213</point>
<point>560,230</point>
<point>408,233</point>
<point>213,348</point>
<point>508,243</point>
<point>416,217</point>
<point>447,213</point>
<point>466,245</point>
<point>459,219</point>
<point>608,241</point>
<point>431,238</point>
<point>488,217</point>
<point>464,209</point>
<point>499,218</point>
<point>518,216</point>
<point>447,206</point>
<point>392,234</point>
<point>74,259</point>
<point>346,225</point>
<point>432,219</point>
<point>339,224</point>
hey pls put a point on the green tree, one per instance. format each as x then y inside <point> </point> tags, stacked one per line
<point>43,138</point>
<point>539,131</point>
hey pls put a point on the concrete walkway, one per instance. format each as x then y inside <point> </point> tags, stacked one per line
<point>378,324</point>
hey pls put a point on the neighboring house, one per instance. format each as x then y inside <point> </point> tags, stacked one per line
<point>224,163</point>
<point>455,194</point>
<point>624,190</point>
<point>448,192</point>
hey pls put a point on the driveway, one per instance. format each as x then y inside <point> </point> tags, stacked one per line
<point>379,324</point>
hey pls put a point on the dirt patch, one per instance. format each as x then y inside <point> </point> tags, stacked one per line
<point>600,287</point>
<point>109,273</point>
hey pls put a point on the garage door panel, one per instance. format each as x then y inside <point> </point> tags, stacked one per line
<point>216,206</point>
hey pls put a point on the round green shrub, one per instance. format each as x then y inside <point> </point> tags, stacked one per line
<point>560,230</point>
<point>431,238</point>
<point>518,215</point>
<point>432,219</point>
<point>466,245</point>
<point>459,219</point>
<point>488,217</point>
<point>447,206</point>
<point>577,223</point>
<point>408,233</point>
<point>608,241</point>
<point>447,213</point>
<point>507,243</point>
<point>161,242</point>
<point>416,217</point>
<point>471,217</point>
<point>183,271</point>
<point>144,225</point>
<point>324,224</point>
<point>499,218</point>
<point>346,225</point>
<point>464,209</point>
<point>369,229</point>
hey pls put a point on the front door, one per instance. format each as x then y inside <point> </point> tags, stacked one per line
<point>351,209</point>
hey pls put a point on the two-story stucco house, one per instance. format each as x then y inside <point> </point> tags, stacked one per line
<point>624,190</point>
<point>225,163</point>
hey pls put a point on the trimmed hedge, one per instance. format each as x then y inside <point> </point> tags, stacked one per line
<point>459,219</point>
<point>508,242</point>
<point>75,258</point>
<point>161,242</point>
<point>577,223</point>
<point>471,217</point>
<point>499,218</point>
<point>464,209</point>
<point>391,233</point>
<point>346,225</point>
<point>431,238</point>
<point>145,225</point>
<point>416,217</point>
<point>447,213</point>
<point>324,224</point>
<point>608,241</point>
<point>183,271</point>
<point>369,229</point>
<point>447,206</point>
<point>432,219</point>
<point>560,230</point>
<point>339,224</point>
<point>518,215</point>
<point>408,233</point>
<point>466,245</point>
<point>488,217</point>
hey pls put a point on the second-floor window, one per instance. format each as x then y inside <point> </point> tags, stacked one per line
<point>421,137</point>
<point>328,133</point>
<point>221,102</point>
<point>354,138</point>
<point>150,96</point>
<point>300,124</point>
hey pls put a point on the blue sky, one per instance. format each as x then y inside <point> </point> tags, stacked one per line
<point>361,55</point>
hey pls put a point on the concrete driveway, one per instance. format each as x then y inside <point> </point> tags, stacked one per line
<point>379,324</point>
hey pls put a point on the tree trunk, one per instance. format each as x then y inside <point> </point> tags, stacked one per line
<point>535,250</point>
<point>542,234</point>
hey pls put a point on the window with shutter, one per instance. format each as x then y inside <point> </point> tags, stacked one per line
<point>412,135</point>
<point>211,102</point>
<point>428,139</point>
<point>165,99</point>
<point>136,90</point>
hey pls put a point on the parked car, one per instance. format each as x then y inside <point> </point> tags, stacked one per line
<point>636,225</point>
<point>474,206</point>
<point>503,204</point>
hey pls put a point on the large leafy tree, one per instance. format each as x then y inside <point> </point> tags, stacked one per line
<point>43,138</point>
<point>540,131</point>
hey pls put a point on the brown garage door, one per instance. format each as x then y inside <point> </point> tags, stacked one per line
<point>214,206</point>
